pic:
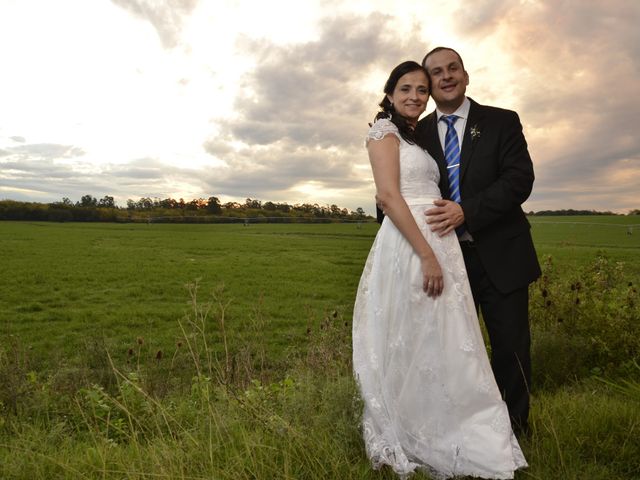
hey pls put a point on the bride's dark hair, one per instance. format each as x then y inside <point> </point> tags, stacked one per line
<point>388,110</point>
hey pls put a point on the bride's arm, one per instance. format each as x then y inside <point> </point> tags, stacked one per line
<point>384,156</point>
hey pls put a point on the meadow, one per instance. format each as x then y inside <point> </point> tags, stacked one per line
<point>223,351</point>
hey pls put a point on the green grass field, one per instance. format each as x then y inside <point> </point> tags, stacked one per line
<point>62,283</point>
<point>105,369</point>
<point>574,240</point>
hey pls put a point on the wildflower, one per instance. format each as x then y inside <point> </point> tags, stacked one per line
<point>140,340</point>
<point>548,303</point>
<point>577,301</point>
<point>544,293</point>
<point>159,355</point>
<point>130,351</point>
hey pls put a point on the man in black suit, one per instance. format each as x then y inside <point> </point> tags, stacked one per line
<point>495,176</point>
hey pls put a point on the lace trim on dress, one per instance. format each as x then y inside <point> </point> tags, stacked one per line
<point>381,129</point>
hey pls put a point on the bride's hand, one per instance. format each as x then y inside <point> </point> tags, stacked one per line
<point>432,282</point>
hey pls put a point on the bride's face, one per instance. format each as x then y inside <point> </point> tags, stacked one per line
<point>411,94</point>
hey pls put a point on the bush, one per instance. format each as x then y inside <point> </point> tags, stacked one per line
<point>584,322</point>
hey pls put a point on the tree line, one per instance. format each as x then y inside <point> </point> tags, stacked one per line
<point>571,212</point>
<point>200,210</point>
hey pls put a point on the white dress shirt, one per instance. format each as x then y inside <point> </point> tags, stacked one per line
<point>463,113</point>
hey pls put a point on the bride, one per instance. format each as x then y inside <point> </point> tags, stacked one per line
<point>430,398</point>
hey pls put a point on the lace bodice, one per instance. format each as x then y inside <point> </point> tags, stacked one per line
<point>419,174</point>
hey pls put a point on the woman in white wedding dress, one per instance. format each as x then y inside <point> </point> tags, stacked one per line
<point>430,398</point>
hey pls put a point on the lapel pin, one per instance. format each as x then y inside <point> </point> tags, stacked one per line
<point>475,132</point>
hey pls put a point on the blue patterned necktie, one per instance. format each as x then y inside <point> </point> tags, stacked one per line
<point>452,158</point>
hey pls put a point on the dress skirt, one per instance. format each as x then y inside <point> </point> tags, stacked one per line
<point>430,397</point>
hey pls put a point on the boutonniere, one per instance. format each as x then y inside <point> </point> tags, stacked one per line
<point>475,132</point>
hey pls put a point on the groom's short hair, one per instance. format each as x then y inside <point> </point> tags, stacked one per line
<point>438,49</point>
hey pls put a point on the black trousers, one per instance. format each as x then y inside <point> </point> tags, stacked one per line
<point>506,317</point>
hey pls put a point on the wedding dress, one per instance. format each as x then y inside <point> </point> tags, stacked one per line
<point>430,397</point>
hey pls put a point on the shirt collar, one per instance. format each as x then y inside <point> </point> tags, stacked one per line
<point>461,112</point>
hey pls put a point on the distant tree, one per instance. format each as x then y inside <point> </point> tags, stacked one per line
<point>131,205</point>
<point>252,203</point>
<point>319,211</point>
<point>167,203</point>
<point>88,201</point>
<point>66,202</point>
<point>107,202</point>
<point>145,203</point>
<point>283,207</point>
<point>634,212</point>
<point>360,211</point>
<point>214,206</point>
<point>269,206</point>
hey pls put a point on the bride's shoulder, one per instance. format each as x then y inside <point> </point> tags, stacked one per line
<point>382,128</point>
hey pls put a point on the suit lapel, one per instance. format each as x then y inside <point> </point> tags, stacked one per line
<point>431,143</point>
<point>468,142</point>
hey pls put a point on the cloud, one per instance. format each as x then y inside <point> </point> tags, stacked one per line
<point>272,172</point>
<point>303,111</point>
<point>44,179</point>
<point>483,18</point>
<point>166,16</point>
<point>574,76</point>
<point>49,179</point>
<point>581,68</point>
<point>314,93</point>
<point>44,151</point>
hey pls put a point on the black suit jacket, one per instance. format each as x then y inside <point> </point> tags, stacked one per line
<point>496,177</point>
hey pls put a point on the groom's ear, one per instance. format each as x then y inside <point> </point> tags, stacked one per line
<point>466,77</point>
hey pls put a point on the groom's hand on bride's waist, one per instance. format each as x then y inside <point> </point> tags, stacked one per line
<point>444,217</point>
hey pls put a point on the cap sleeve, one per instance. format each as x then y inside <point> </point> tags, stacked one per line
<point>381,129</point>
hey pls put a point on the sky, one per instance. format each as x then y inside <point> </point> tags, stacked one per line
<point>271,100</point>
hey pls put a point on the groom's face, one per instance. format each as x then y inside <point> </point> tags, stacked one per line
<point>449,80</point>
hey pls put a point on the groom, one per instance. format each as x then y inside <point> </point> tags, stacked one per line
<point>485,175</point>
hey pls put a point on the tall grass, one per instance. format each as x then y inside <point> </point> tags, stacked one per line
<point>246,387</point>
<point>221,413</point>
